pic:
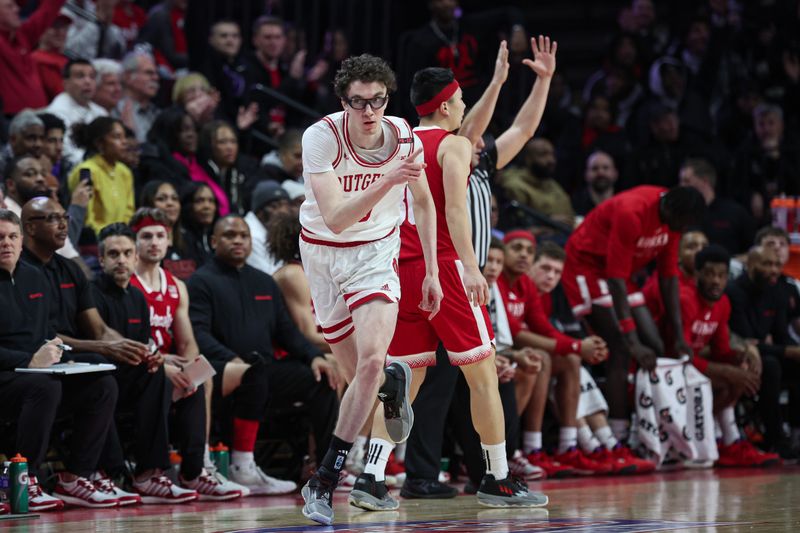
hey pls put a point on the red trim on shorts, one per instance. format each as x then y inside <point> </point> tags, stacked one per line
<point>340,325</point>
<point>353,150</point>
<point>369,298</point>
<point>341,337</point>
<point>329,122</point>
<point>350,244</point>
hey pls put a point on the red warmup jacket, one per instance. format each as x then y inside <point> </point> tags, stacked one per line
<point>20,85</point>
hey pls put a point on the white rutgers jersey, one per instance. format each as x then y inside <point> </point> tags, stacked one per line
<point>327,146</point>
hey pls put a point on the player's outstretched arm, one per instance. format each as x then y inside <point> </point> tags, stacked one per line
<point>425,216</point>
<point>478,118</point>
<point>340,213</point>
<point>455,153</point>
<point>530,114</point>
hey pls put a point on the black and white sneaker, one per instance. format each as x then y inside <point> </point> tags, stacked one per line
<point>395,395</point>
<point>508,492</point>
<point>318,496</point>
<point>372,495</point>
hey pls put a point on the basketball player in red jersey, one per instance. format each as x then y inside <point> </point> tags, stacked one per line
<point>618,239</point>
<point>462,325</point>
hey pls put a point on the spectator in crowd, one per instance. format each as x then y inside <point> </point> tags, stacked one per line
<point>33,400</point>
<point>235,173</point>
<point>726,222</point>
<point>74,105</point>
<point>639,19</point>
<point>658,161</point>
<point>736,116</point>
<point>269,199</point>
<point>196,96</point>
<point>600,175</point>
<point>283,244</point>
<point>285,163</point>
<point>225,67</point>
<point>22,87</point>
<point>129,18</point>
<point>164,196</point>
<point>768,163</point>
<point>534,184</point>
<point>93,33</point>
<point>140,83</point>
<point>622,55</point>
<point>25,136</point>
<point>199,212</point>
<point>49,58</point>
<point>53,145</point>
<point>233,328</point>
<point>112,182</point>
<point>759,313</point>
<point>172,154</point>
<point>164,31</point>
<point>109,84</point>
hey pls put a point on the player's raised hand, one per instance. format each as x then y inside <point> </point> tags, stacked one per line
<point>544,57</point>
<point>501,64</point>
<point>406,171</point>
<point>431,295</point>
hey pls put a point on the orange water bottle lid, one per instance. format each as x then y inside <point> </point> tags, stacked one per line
<point>221,447</point>
<point>18,459</point>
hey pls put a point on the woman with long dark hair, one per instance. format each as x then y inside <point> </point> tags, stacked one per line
<point>199,211</point>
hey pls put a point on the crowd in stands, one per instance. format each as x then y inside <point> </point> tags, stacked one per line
<point>149,193</point>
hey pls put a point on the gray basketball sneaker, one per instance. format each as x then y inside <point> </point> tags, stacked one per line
<point>372,495</point>
<point>395,394</point>
<point>318,496</point>
<point>508,492</point>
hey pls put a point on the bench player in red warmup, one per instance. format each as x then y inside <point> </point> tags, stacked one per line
<point>463,325</point>
<point>616,240</point>
<point>356,165</point>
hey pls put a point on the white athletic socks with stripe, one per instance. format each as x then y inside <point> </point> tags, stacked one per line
<point>377,457</point>
<point>567,438</point>
<point>494,455</point>
<point>727,423</point>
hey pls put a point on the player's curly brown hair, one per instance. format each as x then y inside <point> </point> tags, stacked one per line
<point>283,237</point>
<point>365,68</point>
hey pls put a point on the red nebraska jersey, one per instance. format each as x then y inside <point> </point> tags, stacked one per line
<point>524,306</point>
<point>163,305</point>
<point>625,233</point>
<point>410,245</point>
<point>706,325</point>
<point>652,293</point>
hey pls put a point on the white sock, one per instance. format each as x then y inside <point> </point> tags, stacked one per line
<point>241,458</point>
<point>567,438</point>
<point>727,423</point>
<point>717,428</point>
<point>606,437</point>
<point>531,441</point>
<point>377,456</point>
<point>586,439</point>
<point>360,442</point>
<point>400,452</point>
<point>621,428</point>
<point>494,455</point>
<point>207,463</point>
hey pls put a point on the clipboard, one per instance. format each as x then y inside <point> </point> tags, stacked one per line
<point>68,369</point>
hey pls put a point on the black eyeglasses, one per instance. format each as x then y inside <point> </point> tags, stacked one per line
<point>53,218</point>
<point>376,102</point>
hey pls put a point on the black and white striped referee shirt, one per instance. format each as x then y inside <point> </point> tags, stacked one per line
<point>479,199</point>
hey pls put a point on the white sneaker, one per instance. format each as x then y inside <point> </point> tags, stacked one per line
<point>82,493</point>
<point>38,500</point>
<point>252,477</point>
<point>104,484</point>
<point>159,489</point>
<point>241,488</point>
<point>520,467</point>
<point>211,488</point>
<point>356,460</point>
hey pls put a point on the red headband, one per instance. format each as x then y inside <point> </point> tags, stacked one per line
<point>519,234</point>
<point>433,104</point>
<point>148,221</point>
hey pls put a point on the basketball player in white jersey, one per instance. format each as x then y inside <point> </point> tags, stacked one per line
<point>357,164</point>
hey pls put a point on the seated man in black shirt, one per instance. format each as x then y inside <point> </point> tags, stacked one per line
<point>239,315</point>
<point>760,314</point>
<point>32,400</point>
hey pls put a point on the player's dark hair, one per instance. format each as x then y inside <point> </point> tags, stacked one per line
<point>116,229</point>
<point>770,231</point>
<point>283,237</point>
<point>152,212</point>
<point>67,72</point>
<point>429,82</point>
<point>52,122</point>
<point>364,68</point>
<point>713,253</point>
<point>9,216</point>
<point>497,244</point>
<point>550,250</point>
<point>684,204</point>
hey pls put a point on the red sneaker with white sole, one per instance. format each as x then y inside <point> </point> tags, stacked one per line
<point>552,468</point>
<point>159,489</point>
<point>211,487</point>
<point>82,493</point>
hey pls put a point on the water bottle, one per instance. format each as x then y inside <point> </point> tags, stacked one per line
<point>175,460</point>
<point>220,456</point>
<point>18,476</point>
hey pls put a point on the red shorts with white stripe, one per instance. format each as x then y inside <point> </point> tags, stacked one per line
<point>343,277</point>
<point>464,330</point>
<point>585,287</point>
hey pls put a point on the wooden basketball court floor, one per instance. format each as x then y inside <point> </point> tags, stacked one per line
<point>696,501</point>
